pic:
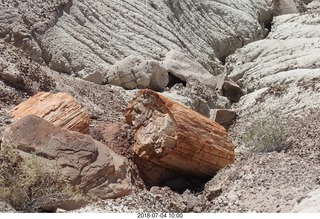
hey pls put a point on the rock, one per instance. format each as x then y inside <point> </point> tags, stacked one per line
<point>213,192</point>
<point>222,116</point>
<point>117,136</point>
<point>173,136</point>
<point>229,88</point>
<point>135,72</point>
<point>95,77</point>
<point>309,203</point>
<point>285,7</point>
<point>183,66</point>
<point>60,109</point>
<point>83,162</point>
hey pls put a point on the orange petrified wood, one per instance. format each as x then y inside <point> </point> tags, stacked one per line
<point>174,136</point>
<point>60,109</point>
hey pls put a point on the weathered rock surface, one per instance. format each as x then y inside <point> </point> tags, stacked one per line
<point>89,35</point>
<point>294,26</point>
<point>60,109</point>
<point>88,164</point>
<point>309,203</point>
<point>280,74</point>
<point>135,72</point>
<point>173,136</point>
<point>22,21</point>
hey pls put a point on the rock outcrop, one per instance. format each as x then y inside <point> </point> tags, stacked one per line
<point>83,162</point>
<point>279,74</point>
<point>173,136</point>
<point>60,109</point>
<point>80,37</point>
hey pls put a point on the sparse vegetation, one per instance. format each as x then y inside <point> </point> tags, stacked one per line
<point>267,134</point>
<point>27,185</point>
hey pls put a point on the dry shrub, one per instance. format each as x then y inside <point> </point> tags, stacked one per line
<point>27,185</point>
<point>267,134</point>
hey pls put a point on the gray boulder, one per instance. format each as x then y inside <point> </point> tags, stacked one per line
<point>135,72</point>
<point>185,67</point>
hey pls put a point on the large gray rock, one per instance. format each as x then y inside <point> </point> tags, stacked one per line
<point>185,67</point>
<point>83,162</point>
<point>285,7</point>
<point>135,72</point>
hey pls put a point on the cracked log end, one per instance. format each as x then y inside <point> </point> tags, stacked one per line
<point>176,137</point>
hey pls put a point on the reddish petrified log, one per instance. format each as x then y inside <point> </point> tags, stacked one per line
<point>176,137</point>
<point>60,109</point>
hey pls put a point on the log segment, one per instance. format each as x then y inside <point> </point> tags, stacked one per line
<point>60,109</point>
<point>176,137</point>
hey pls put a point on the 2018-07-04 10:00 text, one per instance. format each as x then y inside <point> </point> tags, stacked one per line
<point>160,215</point>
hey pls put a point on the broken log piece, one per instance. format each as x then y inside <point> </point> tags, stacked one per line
<point>60,109</point>
<point>176,137</point>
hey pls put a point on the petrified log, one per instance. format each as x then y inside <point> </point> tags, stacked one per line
<point>60,109</point>
<point>174,136</point>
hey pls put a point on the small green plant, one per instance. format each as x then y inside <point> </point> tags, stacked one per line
<point>27,185</point>
<point>267,134</point>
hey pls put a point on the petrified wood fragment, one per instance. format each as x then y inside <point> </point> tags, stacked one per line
<point>60,109</point>
<point>174,136</point>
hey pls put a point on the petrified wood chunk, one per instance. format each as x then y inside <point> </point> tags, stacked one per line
<point>60,109</point>
<point>171,135</point>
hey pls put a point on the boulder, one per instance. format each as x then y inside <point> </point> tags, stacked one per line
<point>83,162</point>
<point>176,137</point>
<point>60,109</point>
<point>135,72</point>
<point>222,116</point>
<point>185,67</point>
<point>228,88</point>
<point>95,77</point>
<point>285,7</point>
